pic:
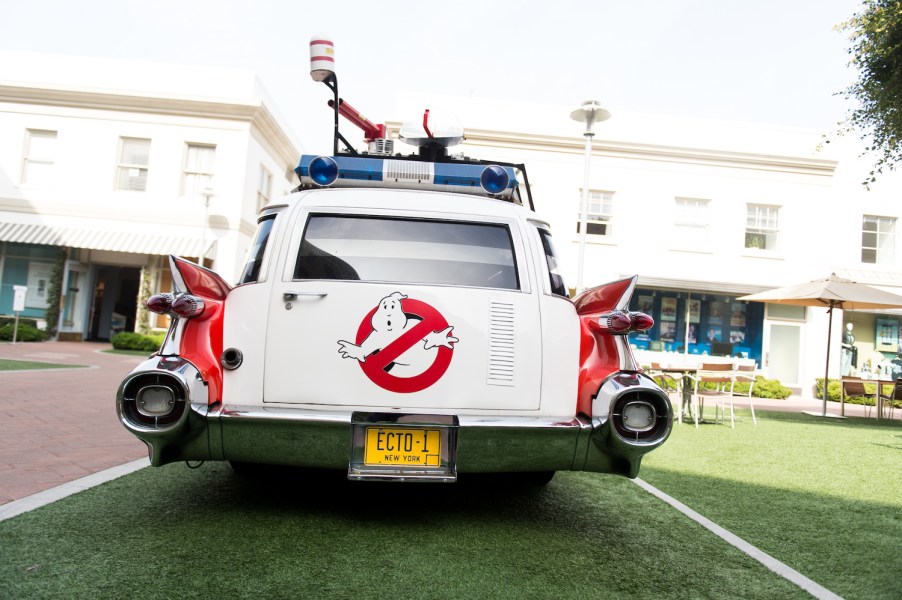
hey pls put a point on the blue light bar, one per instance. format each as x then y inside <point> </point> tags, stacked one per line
<point>466,178</point>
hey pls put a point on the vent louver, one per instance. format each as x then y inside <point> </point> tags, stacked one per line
<point>407,170</point>
<point>502,325</point>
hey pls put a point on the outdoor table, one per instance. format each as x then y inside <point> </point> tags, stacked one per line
<point>880,383</point>
<point>686,373</point>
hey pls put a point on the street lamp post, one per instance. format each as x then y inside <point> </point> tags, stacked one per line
<point>589,113</point>
<point>207,194</point>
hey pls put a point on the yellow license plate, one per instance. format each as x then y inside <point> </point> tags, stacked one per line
<point>398,446</point>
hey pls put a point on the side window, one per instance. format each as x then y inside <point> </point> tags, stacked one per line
<point>264,187</point>
<point>134,158</point>
<point>197,172</point>
<point>558,288</point>
<point>407,251</point>
<point>40,157</point>
<point>254,259</point>
<point>762,226</point>
<point>599,213</point>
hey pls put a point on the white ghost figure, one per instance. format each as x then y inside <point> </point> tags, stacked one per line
<point>389,322</point>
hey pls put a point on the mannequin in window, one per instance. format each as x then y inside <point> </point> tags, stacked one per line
<point>896,363</point>
<point>849,356</point>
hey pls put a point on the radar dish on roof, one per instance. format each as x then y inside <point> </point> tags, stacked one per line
<point>436,129</point>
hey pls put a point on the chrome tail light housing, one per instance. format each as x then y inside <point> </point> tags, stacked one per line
<point>631,416</point>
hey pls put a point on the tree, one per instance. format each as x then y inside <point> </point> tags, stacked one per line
<point>876,36</point>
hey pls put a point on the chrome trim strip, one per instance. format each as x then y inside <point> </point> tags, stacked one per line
<point>173,340</point>
<point>178,282</point>
<point>626,362</point>
<point>301,415</point>
<point>624,302</point>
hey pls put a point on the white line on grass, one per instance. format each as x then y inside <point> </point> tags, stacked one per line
<point>781,569</point>
<point>17,507</point>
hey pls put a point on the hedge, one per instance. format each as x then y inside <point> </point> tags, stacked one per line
<point>127,340</point>
<point>834,392</point>
<point>763,388</point>
<point>22,320</point>
<point>26,332</point>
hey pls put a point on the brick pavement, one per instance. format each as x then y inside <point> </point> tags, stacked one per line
<point>57,425</point>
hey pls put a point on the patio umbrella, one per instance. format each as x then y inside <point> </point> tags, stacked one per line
<point>830,292</point>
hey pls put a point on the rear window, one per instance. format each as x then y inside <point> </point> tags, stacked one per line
<point>254,259</point>
<point>558,288</point>
<point>407,251</point>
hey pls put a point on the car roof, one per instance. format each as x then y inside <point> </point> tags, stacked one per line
<point>380,199</point>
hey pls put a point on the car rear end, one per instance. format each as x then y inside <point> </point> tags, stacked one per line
<point>400,335</point>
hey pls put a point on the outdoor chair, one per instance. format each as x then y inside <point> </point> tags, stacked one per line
<point>712,381</point>
<point>894,395</point>
<point>856,388</point>
<point>670,383</point>
<point>746,373</point>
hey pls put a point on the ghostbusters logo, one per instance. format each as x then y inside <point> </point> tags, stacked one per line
<point>403,345</point>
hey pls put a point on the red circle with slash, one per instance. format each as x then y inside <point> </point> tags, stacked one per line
<point>375,364</point>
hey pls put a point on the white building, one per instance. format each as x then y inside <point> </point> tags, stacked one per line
<point>706,212</point>
<point>107,166</point>
<point>116,162</point>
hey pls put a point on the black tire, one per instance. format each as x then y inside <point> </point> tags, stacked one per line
<point>536,477</point>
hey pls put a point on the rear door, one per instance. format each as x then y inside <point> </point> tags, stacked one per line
<point>394,311</point>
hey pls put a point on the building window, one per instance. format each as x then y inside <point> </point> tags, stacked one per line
<point>264,187</point>
<point>761,227</point>
<point>40,152</point>
<point>198,171</point>
<point>878,240</point>
<point>134,157</point>
<point>598,213</point>
<point>691,222</point>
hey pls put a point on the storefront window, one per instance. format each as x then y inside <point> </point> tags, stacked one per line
<point>700,323</point>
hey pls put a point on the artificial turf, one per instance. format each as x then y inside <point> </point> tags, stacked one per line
<point>821,496</point>
<point>172,532</point>
<point>7,364</point>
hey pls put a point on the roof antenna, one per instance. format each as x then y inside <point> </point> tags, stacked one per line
<point>322,63</point>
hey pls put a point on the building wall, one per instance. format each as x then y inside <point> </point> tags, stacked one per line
<point>648,161</point>
<point>80,207</point>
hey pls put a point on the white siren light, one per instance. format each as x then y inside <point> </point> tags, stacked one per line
<point>322,58</point>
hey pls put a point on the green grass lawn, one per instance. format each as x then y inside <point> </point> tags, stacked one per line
<point>129,352</point>
<point>27,365</point>
<point>822,496</point>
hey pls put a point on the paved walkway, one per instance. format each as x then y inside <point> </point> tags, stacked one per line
<point>57,425</point>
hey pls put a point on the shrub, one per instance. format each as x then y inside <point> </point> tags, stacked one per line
<point>764,388</point>
<point>127,340</point>
<point>834,392</point>
<point>22,321</point>
<point>26,333</point>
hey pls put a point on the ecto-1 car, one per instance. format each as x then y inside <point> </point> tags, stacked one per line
<point>400,318</point>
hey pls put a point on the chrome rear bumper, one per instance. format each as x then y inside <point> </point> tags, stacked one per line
<point>322,439</point>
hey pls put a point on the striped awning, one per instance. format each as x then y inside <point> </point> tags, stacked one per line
<point>97,239</point>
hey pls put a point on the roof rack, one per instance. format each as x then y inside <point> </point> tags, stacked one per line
<point>432,168</point>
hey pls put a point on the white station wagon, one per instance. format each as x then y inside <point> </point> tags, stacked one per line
<point>402,319</point>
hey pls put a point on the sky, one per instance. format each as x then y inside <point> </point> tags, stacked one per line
<point>765,61</point>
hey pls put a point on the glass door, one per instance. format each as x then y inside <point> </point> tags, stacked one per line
<point>783,352</point>
<point>74,298</point>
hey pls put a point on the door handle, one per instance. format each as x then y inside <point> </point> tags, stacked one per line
<point>292,296</point>
<point>289,297</point>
